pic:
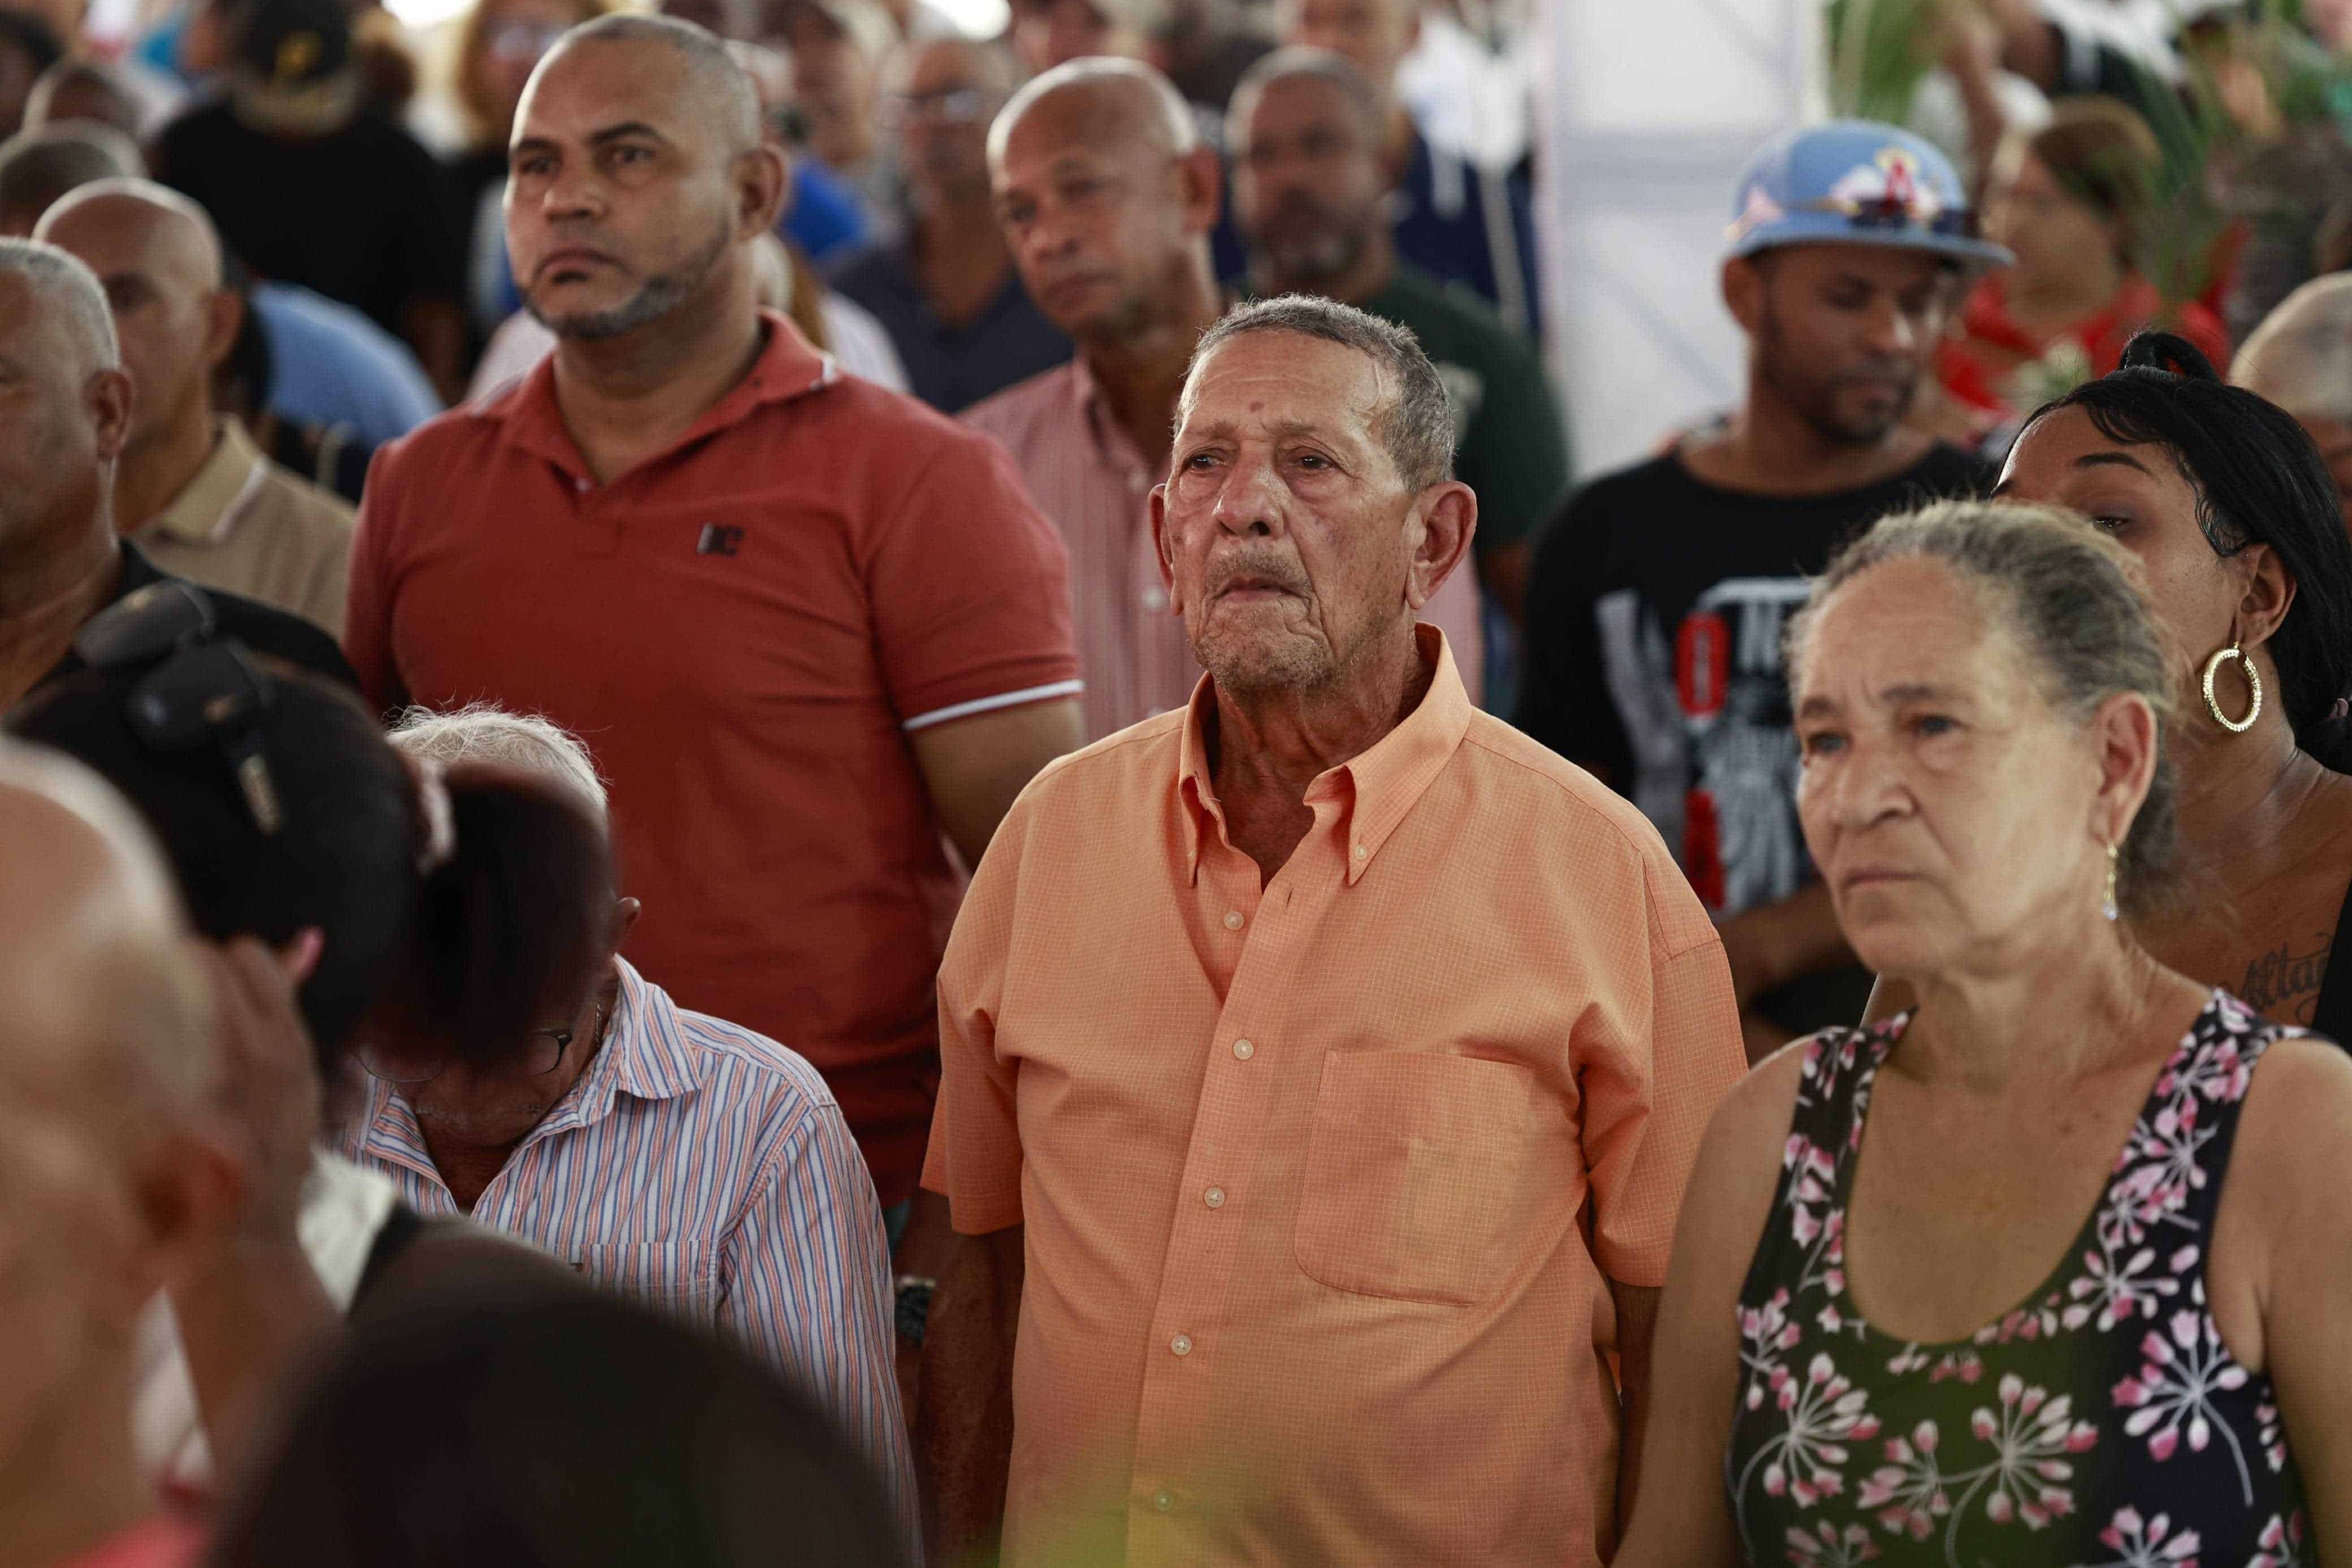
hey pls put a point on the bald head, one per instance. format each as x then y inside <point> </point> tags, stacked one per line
<point>158,257</point>
<point>1101,102</point>
<point>98,992</point>
<point>175,233</point>
<point>714,81</point>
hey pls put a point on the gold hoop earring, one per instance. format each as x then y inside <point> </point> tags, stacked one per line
<point>2254,682</point>
<point>2111,908</point>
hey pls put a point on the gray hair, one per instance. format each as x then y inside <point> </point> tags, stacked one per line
<point>38,166</point>
<point>484,732</point>
<point>61,280</point>
<point>1318,65</point>
<point>2300,358</point>
<point>1415,424</point>
<point>2068,598</point>
<point>732,97</point>
<point>1166,112</point>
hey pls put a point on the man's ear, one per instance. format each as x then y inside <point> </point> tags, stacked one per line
<point>112,397</point>
<point>763,178</point>
<point>225,319</point>
<point>624,920</point>
<point>187,1198</point>
<point>1161,547</point>
<point>1743,292</point>
<point>1448,522</point>
<point>1202,176</point>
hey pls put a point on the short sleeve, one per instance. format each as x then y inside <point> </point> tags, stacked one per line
<point>971,589</point>
<point>1646,1103</point>
<point>974,1159</point>
<point>1564,702</point>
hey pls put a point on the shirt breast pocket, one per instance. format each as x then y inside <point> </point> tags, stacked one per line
<point>679,1278</point>
<point>1416,1170</point>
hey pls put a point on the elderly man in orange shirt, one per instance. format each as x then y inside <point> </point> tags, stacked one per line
<point>1323,1062</point>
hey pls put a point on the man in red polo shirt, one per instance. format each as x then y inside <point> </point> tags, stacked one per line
<point>806,625</point>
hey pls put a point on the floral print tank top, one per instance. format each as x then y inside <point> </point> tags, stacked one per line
<point>2102,1424</point>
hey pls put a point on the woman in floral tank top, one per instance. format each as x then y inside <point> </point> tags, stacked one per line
<point>1999,1282</point>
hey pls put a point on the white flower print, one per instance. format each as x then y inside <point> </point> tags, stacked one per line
<point>2032,1434</point>
<point>2147,1542</point>
<point>2272,1438</point>
<point>1826,1546</point>
<point>2176,1385</point>
<point>1805,1461</point>
<point>2281,1544</point>
<point>1908,1491</point>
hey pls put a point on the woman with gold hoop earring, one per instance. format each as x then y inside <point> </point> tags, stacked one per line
<point>2235,521</point>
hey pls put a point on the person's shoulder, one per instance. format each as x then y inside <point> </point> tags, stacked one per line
<point>1118,770</point>
<point>1020,408</point>
<point>312,507</point>
<point>759,1066</point>
<point>1565,793</point>
<point>1634,491</point>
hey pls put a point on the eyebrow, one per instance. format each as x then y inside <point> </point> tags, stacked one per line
<point>601,137</point>
<point>2091,460</point>
<point>1897,695</point>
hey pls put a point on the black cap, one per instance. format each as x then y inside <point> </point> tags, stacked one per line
<point>292,43</point>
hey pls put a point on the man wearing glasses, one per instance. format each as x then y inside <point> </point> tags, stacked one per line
<point>947,294</point>
<point>667,1154</point>
<point>1654,608</point>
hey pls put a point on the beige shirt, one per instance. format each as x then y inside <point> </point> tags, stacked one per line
<point>245,525</point>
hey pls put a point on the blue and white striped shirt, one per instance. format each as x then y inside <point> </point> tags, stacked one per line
<point>706,1170</point>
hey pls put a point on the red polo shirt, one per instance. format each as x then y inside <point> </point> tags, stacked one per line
<point>742,629</point>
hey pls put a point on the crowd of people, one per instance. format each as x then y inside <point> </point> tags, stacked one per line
<point>780,787</point>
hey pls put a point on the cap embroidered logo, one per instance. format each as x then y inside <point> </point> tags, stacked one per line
<point>719,539</point>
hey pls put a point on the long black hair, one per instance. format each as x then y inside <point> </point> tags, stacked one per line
<point>2258,479</point>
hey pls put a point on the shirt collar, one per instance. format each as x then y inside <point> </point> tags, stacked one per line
<point>207,506</point>
<point>789,366</point>
<point>1375,789</point>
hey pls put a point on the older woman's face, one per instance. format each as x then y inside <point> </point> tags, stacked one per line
<point>1947,806</point>
<point>2137,496</point>
<point>2052,233</point>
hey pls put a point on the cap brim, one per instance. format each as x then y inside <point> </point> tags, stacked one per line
<point>1827,228</point>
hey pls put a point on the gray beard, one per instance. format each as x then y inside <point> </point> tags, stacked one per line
<point>655,299</point>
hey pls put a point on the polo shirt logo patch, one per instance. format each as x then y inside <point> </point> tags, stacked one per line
<point>718,539</point>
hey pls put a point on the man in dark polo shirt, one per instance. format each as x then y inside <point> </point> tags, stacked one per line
<point>65,412</point>
<point>806,625</point>
<point>1310,192</point>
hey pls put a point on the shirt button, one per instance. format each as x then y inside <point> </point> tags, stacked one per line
<point>1233,919</point>
<point>1182,1344</point>
<point>1155,599</point>
<point>581,484</point>
<point>1362,853</point>
<point>1162,1502</point>
<point>1244,1049</point>
<point>1215,1198</point>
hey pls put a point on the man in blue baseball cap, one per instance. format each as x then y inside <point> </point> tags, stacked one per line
<point>1656,602</point>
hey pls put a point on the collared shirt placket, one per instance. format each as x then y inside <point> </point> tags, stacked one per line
<point>1270,933</point>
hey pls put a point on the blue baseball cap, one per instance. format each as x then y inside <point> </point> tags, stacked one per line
<point>1855,181</point>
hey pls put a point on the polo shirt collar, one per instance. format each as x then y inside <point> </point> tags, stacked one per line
<point>1375,789</point>
<point>789,366</point>
<point>207,506</point>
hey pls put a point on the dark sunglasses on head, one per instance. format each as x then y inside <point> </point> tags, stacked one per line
<point>203,690</point>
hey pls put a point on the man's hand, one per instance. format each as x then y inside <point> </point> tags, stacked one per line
<point>268,1091</point>
<point>964,1424</point>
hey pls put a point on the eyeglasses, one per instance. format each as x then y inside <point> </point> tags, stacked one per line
<point>535,1056</point>
<point>951,106</point>
<point>1893,213</point>
<point>203,691</point>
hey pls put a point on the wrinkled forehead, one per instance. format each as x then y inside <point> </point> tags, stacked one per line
<point>1903,624</point>
<point>1272,378</point>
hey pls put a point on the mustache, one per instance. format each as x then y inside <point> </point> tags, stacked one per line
<point>1265,567</point>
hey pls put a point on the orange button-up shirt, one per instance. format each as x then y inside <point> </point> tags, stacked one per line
<point>1321,1181</point>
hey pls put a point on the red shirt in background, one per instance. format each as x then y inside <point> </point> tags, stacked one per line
<point>1976,366</point>
<point>742,630</point>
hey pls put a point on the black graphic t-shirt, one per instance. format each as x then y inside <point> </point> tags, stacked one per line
<point>1655,616</point>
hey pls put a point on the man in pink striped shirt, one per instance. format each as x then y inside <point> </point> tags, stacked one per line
<point>664,1154</point>
<point>1107,197</point>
